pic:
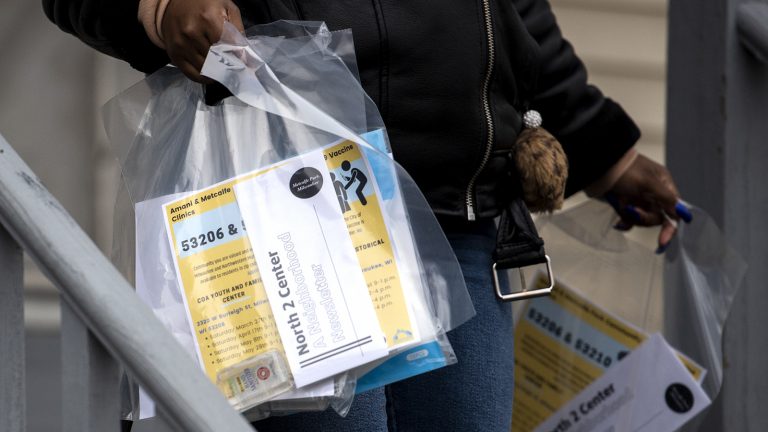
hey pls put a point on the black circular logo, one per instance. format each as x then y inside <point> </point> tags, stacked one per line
<point>679,398</point>
<point>306,183</point>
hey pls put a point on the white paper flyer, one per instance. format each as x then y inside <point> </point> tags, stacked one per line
<point>649,390</point>
<point>310,268</point>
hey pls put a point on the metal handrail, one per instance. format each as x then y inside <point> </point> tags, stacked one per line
<point>752,27</point>
<point>106,303</point>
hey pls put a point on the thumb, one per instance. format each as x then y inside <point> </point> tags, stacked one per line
<point>233,16</point>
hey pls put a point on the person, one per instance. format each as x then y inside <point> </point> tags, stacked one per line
<point>356,176</point>
<point>452,82</point>
<point>341,194</point>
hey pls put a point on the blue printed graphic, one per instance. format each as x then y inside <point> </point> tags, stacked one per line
<point>418,360</point>
<point>210,229</point>
<point>381,163</point>
<point>402,334</point>
<point>350,181</point>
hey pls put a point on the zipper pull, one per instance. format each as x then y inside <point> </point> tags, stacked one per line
<point>470,212</point>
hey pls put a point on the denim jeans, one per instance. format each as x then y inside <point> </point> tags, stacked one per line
<point>473,395</point>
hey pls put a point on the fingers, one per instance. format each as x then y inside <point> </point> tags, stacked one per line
<point>668,230</point>
<point>644,217</point>
<point>187,50</point>
<point>647,196</point>
<point>644,214</point>
<point>631,216</point>
<point>673,209</point>
<point>190,62</point>
<point>189,70</point>
<point>191,27</point>
<point>663,191</point>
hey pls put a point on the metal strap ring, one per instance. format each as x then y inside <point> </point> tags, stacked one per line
<point>524,294</point>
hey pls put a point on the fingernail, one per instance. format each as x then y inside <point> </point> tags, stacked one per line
<point>633,212</point>
<point>661,249</point>
<point>684,212</point>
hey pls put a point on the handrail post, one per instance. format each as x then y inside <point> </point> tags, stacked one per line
<point>90,379</point>
<point>716,133</point>
<point>12,385</point>
<point>752,27</point>
<point>106,303</point>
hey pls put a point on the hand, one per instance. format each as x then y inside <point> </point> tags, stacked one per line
<point>646,195</point>
<point>190,27</point>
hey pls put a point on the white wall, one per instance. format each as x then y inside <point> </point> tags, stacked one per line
<point>46,114</point>
<point>51,86</point>
<point>623,43</point>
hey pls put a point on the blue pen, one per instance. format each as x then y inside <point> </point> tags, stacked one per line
<point>614,202</point>
<point>682,209</point>
<point>633,212</point>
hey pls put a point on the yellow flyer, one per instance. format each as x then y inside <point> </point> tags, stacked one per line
<point>563,343</point>
<point>228,304</point>
<point>367,227</point>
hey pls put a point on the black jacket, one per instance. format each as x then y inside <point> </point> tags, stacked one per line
<point>451,79</point>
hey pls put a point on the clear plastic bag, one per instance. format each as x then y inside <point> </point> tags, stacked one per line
<point>296,164</point>
<point>597,353</point>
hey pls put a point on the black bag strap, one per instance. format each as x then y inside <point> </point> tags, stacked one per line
<point>518,245</point>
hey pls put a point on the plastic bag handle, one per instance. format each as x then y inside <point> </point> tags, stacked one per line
<point>214,93</point>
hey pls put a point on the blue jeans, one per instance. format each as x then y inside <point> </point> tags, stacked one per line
<point>473,395</point>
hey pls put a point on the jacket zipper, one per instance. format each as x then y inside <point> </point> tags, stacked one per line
<point>470,199</point>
